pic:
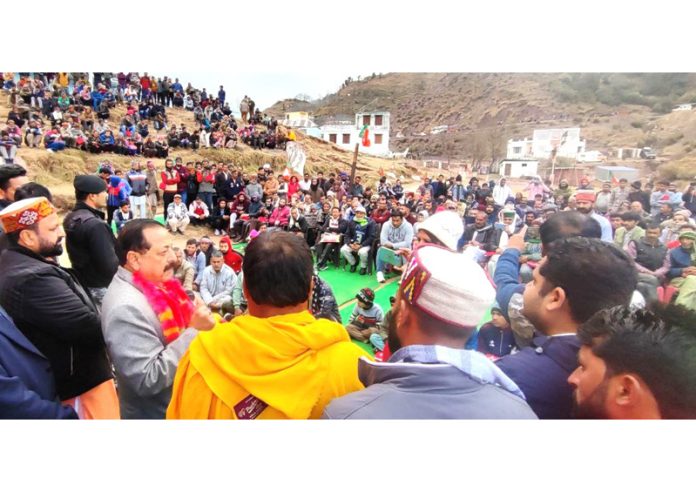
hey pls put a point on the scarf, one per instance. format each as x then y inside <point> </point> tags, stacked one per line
<point>170,303</point>
<point>470,362</point>
<point>361,222</point>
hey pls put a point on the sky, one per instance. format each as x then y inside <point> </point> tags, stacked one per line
<point>265,88</point>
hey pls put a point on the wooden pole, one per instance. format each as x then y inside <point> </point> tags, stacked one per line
<point>354,166</point>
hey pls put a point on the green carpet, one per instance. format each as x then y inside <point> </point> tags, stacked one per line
<point>346,285</point>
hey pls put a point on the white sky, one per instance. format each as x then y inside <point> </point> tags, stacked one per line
<point>265,88</point>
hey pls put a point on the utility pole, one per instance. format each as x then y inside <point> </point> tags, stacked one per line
<point>354,166</point>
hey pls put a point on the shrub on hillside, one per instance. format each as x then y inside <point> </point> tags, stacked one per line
<point>683,169</point>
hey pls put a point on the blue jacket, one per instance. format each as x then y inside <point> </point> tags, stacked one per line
<point>506,279</point>
<point>406,390</point>
<point>679,259</point>
<point>495,341</point>
<point>27,387</point>
<point>542,370</point>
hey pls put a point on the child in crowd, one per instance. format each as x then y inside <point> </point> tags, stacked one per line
<point>366,317</point>
<point>495,338</point>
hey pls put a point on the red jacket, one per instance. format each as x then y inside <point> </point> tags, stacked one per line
<point>232,258</point>
<point>166,181</point>
<point>280,214</point>
<point>381,216</point>
<point>293,188</point>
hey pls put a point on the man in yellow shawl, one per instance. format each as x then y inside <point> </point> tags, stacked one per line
<point>278,361</point>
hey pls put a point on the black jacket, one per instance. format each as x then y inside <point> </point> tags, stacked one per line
<point>342,226</point>
<point>491,237</point>
<point>50,307</point>
<point>368,236</point>
<point>298,226</point>
<point>91,246</point>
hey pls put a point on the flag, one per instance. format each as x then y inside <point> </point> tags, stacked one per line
<point>296,158</point>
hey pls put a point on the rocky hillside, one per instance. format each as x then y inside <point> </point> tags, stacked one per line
<point>482,111</point>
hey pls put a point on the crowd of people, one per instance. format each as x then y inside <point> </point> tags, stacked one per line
<point>63,110</point>
<point>588,294</point>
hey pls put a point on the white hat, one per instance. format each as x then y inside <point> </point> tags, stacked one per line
<point>447,285</point>
<point>446,226</point>
<point>360,209</point>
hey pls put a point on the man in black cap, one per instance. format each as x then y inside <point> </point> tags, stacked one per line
<point>90,241</point>
<point>638,195</point>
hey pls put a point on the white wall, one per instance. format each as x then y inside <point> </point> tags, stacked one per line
<point>543,142</point>
<point>354,132</point>
<point>519,169</point>
<point>519,149</point>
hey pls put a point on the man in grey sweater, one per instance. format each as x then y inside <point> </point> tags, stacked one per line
<point>217,282</point>
<point>442,297</point>
<point>144,355</point>
<point>396,234</point>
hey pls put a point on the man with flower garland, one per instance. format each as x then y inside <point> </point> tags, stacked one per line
<point>148,320</point>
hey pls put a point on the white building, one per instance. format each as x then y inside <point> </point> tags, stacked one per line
<point>566,140</point>
<point>346,134</point>
<point>303,122</point>
<point>518,168</point>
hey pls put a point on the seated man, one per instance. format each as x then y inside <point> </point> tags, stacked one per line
<point>366,316</point>
<point>482,240</point>
<point>177,216</point>
<point>481,237</point>
<point>636,364</point>
<point>430,375</point>
<point>183,270</point>
<point>217,282</point>
<point>331,235</point>
<point>198,212</point>
<point>358,240</point>
<point>682,270</point>
<point>123,215</point>
<point>396,234</point>
<point>652,262</point>
<point>246,370</point>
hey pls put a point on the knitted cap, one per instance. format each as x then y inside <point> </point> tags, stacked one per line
<point>25,213</point>
<point>447,286</point>
<point>446,226</point>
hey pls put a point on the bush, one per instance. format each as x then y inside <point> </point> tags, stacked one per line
<point>683,169</point>
<point>637,124</point>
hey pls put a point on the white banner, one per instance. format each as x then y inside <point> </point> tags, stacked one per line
<point>296,157</point>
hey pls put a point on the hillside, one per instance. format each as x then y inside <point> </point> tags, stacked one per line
<point>484,110</point>
<point>57,170</point>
